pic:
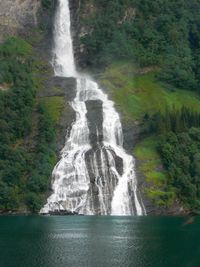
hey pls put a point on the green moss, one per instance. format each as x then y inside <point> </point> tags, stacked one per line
<point>161,198</point>
<point>154,96</point>
<point>151,167</point>
<point>16,46</point>
<point>138,94</point>
<point>54,106</point>
<point>146,149</point>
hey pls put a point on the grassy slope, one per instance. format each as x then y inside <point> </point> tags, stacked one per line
<point>55,105</point>
<point>140,94</point>
<point>136,95</point>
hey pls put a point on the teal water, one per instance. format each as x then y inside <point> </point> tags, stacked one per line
<point>99,242</point>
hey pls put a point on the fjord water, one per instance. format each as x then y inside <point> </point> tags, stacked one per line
<point>94,175</point>
<point>104,241</point>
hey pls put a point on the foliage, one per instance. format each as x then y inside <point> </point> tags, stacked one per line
<point>172,120</point>
<point>13,47</point>
<point>158,109</point>
<point>179,150</point>
<point>24,169</point>
<point>180,154</point>
<point>45,157</point>
<point>54,105</point>
<point>16,106</point>
<point>139,94</point>
<point>163,33</point>
<point>157,188</point>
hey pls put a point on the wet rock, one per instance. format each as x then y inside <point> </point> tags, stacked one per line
<point>59,86</point>
<point>61,213</point>
<point>131,134</point>
<point>65,87</point>
<point>95,122</point>
<point>75,27</point>
<point>68,86</point>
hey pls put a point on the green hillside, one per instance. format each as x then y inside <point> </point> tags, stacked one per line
<point>27,128</point>
<point>139,94</point>
<point>147,54</point>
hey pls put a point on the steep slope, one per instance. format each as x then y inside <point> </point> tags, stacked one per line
<point>18,16</point>
<point>34,106</point>
<point>146,54</point>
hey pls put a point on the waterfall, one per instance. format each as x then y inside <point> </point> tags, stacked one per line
<point>95,175</point>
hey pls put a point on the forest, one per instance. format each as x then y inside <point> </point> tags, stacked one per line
<point>165,36</point>
<point>25,162</point>
<point>179,149</point>
<point>148,33</point>
<point>180,154</point>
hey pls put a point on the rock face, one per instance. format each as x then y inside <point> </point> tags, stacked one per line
<point>17,15</point>
<point>29,19</point>
<point>65,87</point>
<point>80,11</point>
<point>75,28</point>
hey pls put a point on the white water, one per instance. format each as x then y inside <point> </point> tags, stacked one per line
<point>87,179</point>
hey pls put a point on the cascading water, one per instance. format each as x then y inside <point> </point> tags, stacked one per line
<point>94,175</point>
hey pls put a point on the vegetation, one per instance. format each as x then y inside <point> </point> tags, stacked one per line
<point>138,94</point>
<point>176,148</point>
<point>27,130</point>
<point>164,114</point>
<point>158,189</point>
<point>172,120</point>
<point>179,150</point>
<point>180,154</point>
<point>43,161</point>
<point>160,33</point>
<point>54,105</point>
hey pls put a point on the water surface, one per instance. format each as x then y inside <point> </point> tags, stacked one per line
<point>87,241</point>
